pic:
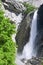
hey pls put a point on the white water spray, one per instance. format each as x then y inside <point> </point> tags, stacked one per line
<point>28,51</point>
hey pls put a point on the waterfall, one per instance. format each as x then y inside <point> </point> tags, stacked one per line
<point>28,51</point>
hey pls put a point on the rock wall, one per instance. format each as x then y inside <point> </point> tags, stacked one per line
<point>22,36</point>
<point>36,3</point>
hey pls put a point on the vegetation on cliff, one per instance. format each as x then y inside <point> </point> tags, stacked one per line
<point>7,46</point>
<point>29,8</point>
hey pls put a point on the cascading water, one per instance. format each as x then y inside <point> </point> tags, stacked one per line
<point>28,51</point>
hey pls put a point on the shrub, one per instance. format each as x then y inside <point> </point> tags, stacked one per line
<point>7,46</point>
<point>29,8</point>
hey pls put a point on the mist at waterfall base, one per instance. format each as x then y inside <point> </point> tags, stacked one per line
<point>31,48</point>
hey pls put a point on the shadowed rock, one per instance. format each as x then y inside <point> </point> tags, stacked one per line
<point>14,6</point>
<point>23,33</point>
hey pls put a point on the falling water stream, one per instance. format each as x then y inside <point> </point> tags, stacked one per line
<point>28,50</point>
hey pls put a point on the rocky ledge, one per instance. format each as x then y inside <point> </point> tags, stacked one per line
<point>33,61</point>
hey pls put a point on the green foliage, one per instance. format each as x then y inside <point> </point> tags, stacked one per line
<point>7,46</point>
<point>29,8</point>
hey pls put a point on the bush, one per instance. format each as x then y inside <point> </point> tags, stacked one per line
<point>29,8</point>
<point>7,46</point>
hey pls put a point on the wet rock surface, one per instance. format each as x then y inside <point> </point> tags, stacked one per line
<point>23,33</point>
<point>35,61</point>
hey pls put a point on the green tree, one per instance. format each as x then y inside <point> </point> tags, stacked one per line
<point>7,46</point>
